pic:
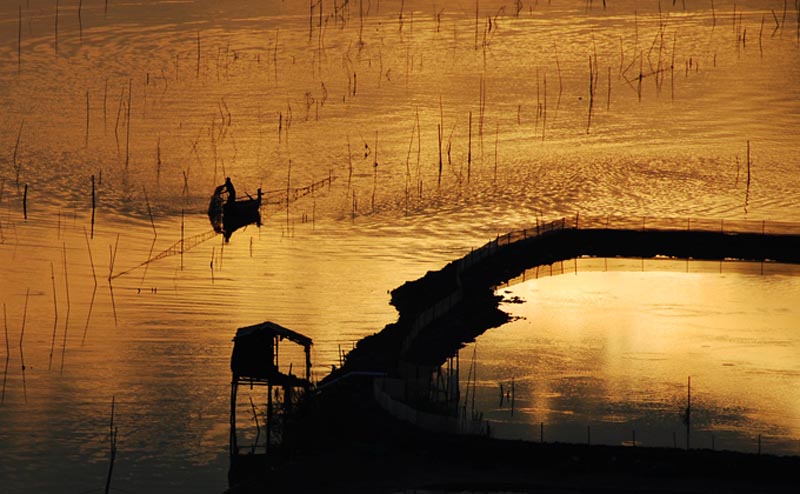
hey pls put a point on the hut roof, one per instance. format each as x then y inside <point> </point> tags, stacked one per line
<point>254,350</point>
<point>270,328</point>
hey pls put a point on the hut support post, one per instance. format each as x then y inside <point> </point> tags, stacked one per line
<point>234,448</point>
<point>308,363</point>
<point>276,343</point>
<point>269,417</point>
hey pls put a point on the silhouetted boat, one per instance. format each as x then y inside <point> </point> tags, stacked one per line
<point>226,217</point>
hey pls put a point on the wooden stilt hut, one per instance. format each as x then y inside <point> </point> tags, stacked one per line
<point>255,362</point>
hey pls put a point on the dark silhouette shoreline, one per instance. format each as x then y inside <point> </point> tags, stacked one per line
<point>343,441</point>
<point>347,444</point>
<point>470,282</point>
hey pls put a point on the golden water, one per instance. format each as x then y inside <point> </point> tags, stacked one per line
<point>274,104</point>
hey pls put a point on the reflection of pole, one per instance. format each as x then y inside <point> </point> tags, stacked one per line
<point>457,387</point>
<point>513,396</point>
<point>112,432</point>
<point>183,228</point>
<point>258,428</point>
<point>94,203</point>
<point>474,377</point>
<point>268,426</point>
<point>688,412</point>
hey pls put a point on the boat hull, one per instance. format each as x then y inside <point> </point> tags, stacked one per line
<point>227,217</point>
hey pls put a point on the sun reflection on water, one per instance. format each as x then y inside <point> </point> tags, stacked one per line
<point>612,351</point>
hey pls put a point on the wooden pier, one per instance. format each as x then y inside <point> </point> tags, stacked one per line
<point>466,285</point>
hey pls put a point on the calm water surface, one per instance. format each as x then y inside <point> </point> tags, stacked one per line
<point>125,97</point>
<point>595,356</point>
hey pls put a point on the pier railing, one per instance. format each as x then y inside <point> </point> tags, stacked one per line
<point>644,223</point>
<point>389,395</point>
<point>664,435</point>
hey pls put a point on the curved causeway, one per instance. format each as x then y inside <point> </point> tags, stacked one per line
<point>464,288</point>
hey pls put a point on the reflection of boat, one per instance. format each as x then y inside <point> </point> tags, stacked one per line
<point>226,217</point>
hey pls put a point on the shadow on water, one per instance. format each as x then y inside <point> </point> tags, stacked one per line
<point>21,351</point>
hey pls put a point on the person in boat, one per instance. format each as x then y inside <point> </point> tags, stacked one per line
<point>228,187</point>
